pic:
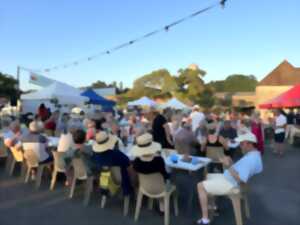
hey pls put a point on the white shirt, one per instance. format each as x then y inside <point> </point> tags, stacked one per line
<point>65,142</point>
<point>280,121</point>
<point>249,165</point>
<point>196,118</point>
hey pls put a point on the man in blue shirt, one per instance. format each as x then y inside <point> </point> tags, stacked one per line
<point>240,172</point>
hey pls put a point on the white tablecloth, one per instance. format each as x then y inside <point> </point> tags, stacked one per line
<point>202,161</point>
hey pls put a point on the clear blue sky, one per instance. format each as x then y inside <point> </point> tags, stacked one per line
<point>249,37</point>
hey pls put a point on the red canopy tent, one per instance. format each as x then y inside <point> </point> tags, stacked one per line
<point>288,99</point>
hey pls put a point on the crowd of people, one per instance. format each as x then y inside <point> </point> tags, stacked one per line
<point>99,140</point>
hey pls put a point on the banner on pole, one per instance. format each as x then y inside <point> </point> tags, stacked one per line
<point>40,80</point>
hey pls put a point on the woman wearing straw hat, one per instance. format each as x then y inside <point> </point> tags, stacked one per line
<point>106,153</point>
<point>148,160</point>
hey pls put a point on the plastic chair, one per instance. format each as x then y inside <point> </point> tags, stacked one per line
<point>59,167</point>
<point>17,157</point>
<point>238,196</point>
<point>80,173</point>
<point>117,179</point>
<point>154,187</point>
<point>32,162</point>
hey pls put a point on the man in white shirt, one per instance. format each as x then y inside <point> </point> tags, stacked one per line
<point>240,172</point>
<point>196,117</point>
<point>280,125</point>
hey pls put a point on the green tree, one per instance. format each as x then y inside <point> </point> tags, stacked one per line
<point>8,86</point>
<point>156,83</point>
<point>207,99</point>
<point>99,84</point>
<point>235,83</point>
<point>190,81</point>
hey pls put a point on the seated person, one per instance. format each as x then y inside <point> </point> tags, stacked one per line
<point>212,139</point>
<point>36,142</point>
<point>66,141</point>
<point>106,153</point>
<point>147,160</point>
<point>240,172</point>
<point>81,151</point>
<point>12,136</point>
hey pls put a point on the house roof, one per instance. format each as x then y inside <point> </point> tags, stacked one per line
<point>285,74</point>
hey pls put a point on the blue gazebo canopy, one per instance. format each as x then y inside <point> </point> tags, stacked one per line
<point>96,99</point>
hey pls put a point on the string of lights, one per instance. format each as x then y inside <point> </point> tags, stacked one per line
<point>109,51</point>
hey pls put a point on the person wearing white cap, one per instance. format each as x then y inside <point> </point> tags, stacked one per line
<point>240,172</point>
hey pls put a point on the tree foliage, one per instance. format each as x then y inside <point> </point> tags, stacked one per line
<point>207,99</point>
<point>8,86</point>
<point>235,83</point>
<point>114,84</point>
<point>156,83</point>
<point>190,81</point>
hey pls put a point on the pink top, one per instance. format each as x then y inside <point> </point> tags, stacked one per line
<point>257,131</point>
<point>90,134</point>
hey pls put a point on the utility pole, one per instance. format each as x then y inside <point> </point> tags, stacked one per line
<point>18,78</point>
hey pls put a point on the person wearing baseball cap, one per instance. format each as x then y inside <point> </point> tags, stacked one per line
<point>228,182</point>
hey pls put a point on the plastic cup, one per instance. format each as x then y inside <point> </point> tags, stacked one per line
<point>174,158</point>
<point>194,161</point>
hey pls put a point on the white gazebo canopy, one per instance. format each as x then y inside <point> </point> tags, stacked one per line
<point>174,104</point>
<point>65,94</point>
<point>144,101</point>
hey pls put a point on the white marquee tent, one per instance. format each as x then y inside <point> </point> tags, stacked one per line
<point>65,94</point>
<point>144,101</point>
<point>174,104</point>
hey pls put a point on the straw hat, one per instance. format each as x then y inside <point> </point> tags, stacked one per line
<point>104,142</point>
<point>34,126</point>
<point>145,146</point>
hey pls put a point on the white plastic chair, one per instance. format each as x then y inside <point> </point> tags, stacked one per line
<point>17,157</point>
<point>238,196</point>
<point>59,167</point>
<point>153,186</point>
<point>117,179</point>
<point>80,173</point>
<point>32,162</point>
